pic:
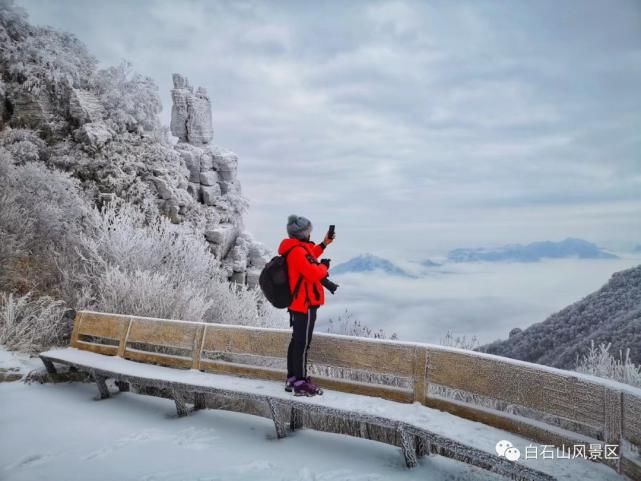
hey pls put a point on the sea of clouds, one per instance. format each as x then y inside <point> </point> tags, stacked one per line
<point>481,299</point>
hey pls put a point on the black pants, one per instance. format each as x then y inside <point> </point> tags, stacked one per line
<point>303,325</point>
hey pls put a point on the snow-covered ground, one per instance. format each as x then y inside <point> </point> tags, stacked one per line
<point>59,432</point>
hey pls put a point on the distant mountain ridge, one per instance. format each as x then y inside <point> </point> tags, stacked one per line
<point>610,315</point>
<point>532,252</point>
<point>368,263</point>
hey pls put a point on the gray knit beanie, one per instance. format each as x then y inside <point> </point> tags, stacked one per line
<point>298,227</point>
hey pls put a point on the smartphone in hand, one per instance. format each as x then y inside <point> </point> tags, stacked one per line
<point>331,231</point>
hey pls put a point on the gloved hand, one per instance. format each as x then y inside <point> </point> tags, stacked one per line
<point>325,262</point>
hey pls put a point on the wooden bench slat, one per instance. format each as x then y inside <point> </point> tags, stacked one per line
<point>97,348</point>
<point>339,352</point>
<point>100,325</point>
<point>551,393</point>
<point>363,355</point>
<point>169,334</point>
<point>245,341</point>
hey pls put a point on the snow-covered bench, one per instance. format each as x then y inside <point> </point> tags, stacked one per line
<point>373,385</point>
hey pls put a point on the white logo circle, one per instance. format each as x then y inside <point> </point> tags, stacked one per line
<point>512,454</point>
<point>502,446</point>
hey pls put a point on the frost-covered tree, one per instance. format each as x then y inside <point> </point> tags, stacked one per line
<point>132,101</point>
<point>610,315</point>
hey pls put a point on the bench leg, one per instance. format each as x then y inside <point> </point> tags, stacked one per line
<point>181,404</point>
<point>200,401</point>
<point>123,386</point>
<point>51,369</point>
<point>408,448</point>
<point>278,422</point>
<point>103,391</point>
<point>422,447</point>
<point>295,419</point>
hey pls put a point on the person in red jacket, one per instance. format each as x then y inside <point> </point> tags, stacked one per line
<point>305,276</point>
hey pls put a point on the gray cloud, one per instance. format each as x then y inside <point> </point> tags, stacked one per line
<point>413,126</point>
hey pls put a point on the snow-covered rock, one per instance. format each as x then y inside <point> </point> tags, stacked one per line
<point>212,176</point>
<point>252,278</point>
<point>85,107</point>
<point>94,134</point>
<point>163,189</point>
<point>210,193</point>
<point>222,237</point>
<point>209,178</point>
<point>191,113</point>
<point>30,110</point>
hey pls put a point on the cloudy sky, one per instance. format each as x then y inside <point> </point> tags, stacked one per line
<point>415,127</point>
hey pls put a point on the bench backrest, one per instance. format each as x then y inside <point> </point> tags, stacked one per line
<point>394,370</point>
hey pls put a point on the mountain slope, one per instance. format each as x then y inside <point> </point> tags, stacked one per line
<point>533,252</point>
<point>611,314</point>
<point>368,263</point>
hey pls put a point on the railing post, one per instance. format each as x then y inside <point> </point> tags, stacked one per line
<point>124,335</point>
<point>613,407</point>
<point>420,373</point>
<point>76,327</point>
<point>197,348</point>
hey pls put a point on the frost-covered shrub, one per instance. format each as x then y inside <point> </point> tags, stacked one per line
<point>131,100</point>
<point>23,145</point>
<point>145,265</point>
<point>269,316</point>
<point>461,342</point>
<point>152,294</point>
<point>125,236</point>
<point>598,361</point>
<point>42,217</point>
<point>347,325</point>
<point>29,323</point>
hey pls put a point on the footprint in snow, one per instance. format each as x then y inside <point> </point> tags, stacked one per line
<point>31,460</point>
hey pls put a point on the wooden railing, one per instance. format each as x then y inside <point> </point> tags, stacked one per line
<point>552,406</point>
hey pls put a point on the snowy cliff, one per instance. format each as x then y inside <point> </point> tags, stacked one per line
<point>102,127</point>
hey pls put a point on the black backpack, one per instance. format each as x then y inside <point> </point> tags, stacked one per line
<point>274,281</point>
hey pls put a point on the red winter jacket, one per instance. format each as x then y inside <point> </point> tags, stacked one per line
<point>310,292</point>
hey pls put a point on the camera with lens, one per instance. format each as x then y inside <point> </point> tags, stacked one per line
<point>329,285</point>
<point>326,283</point>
